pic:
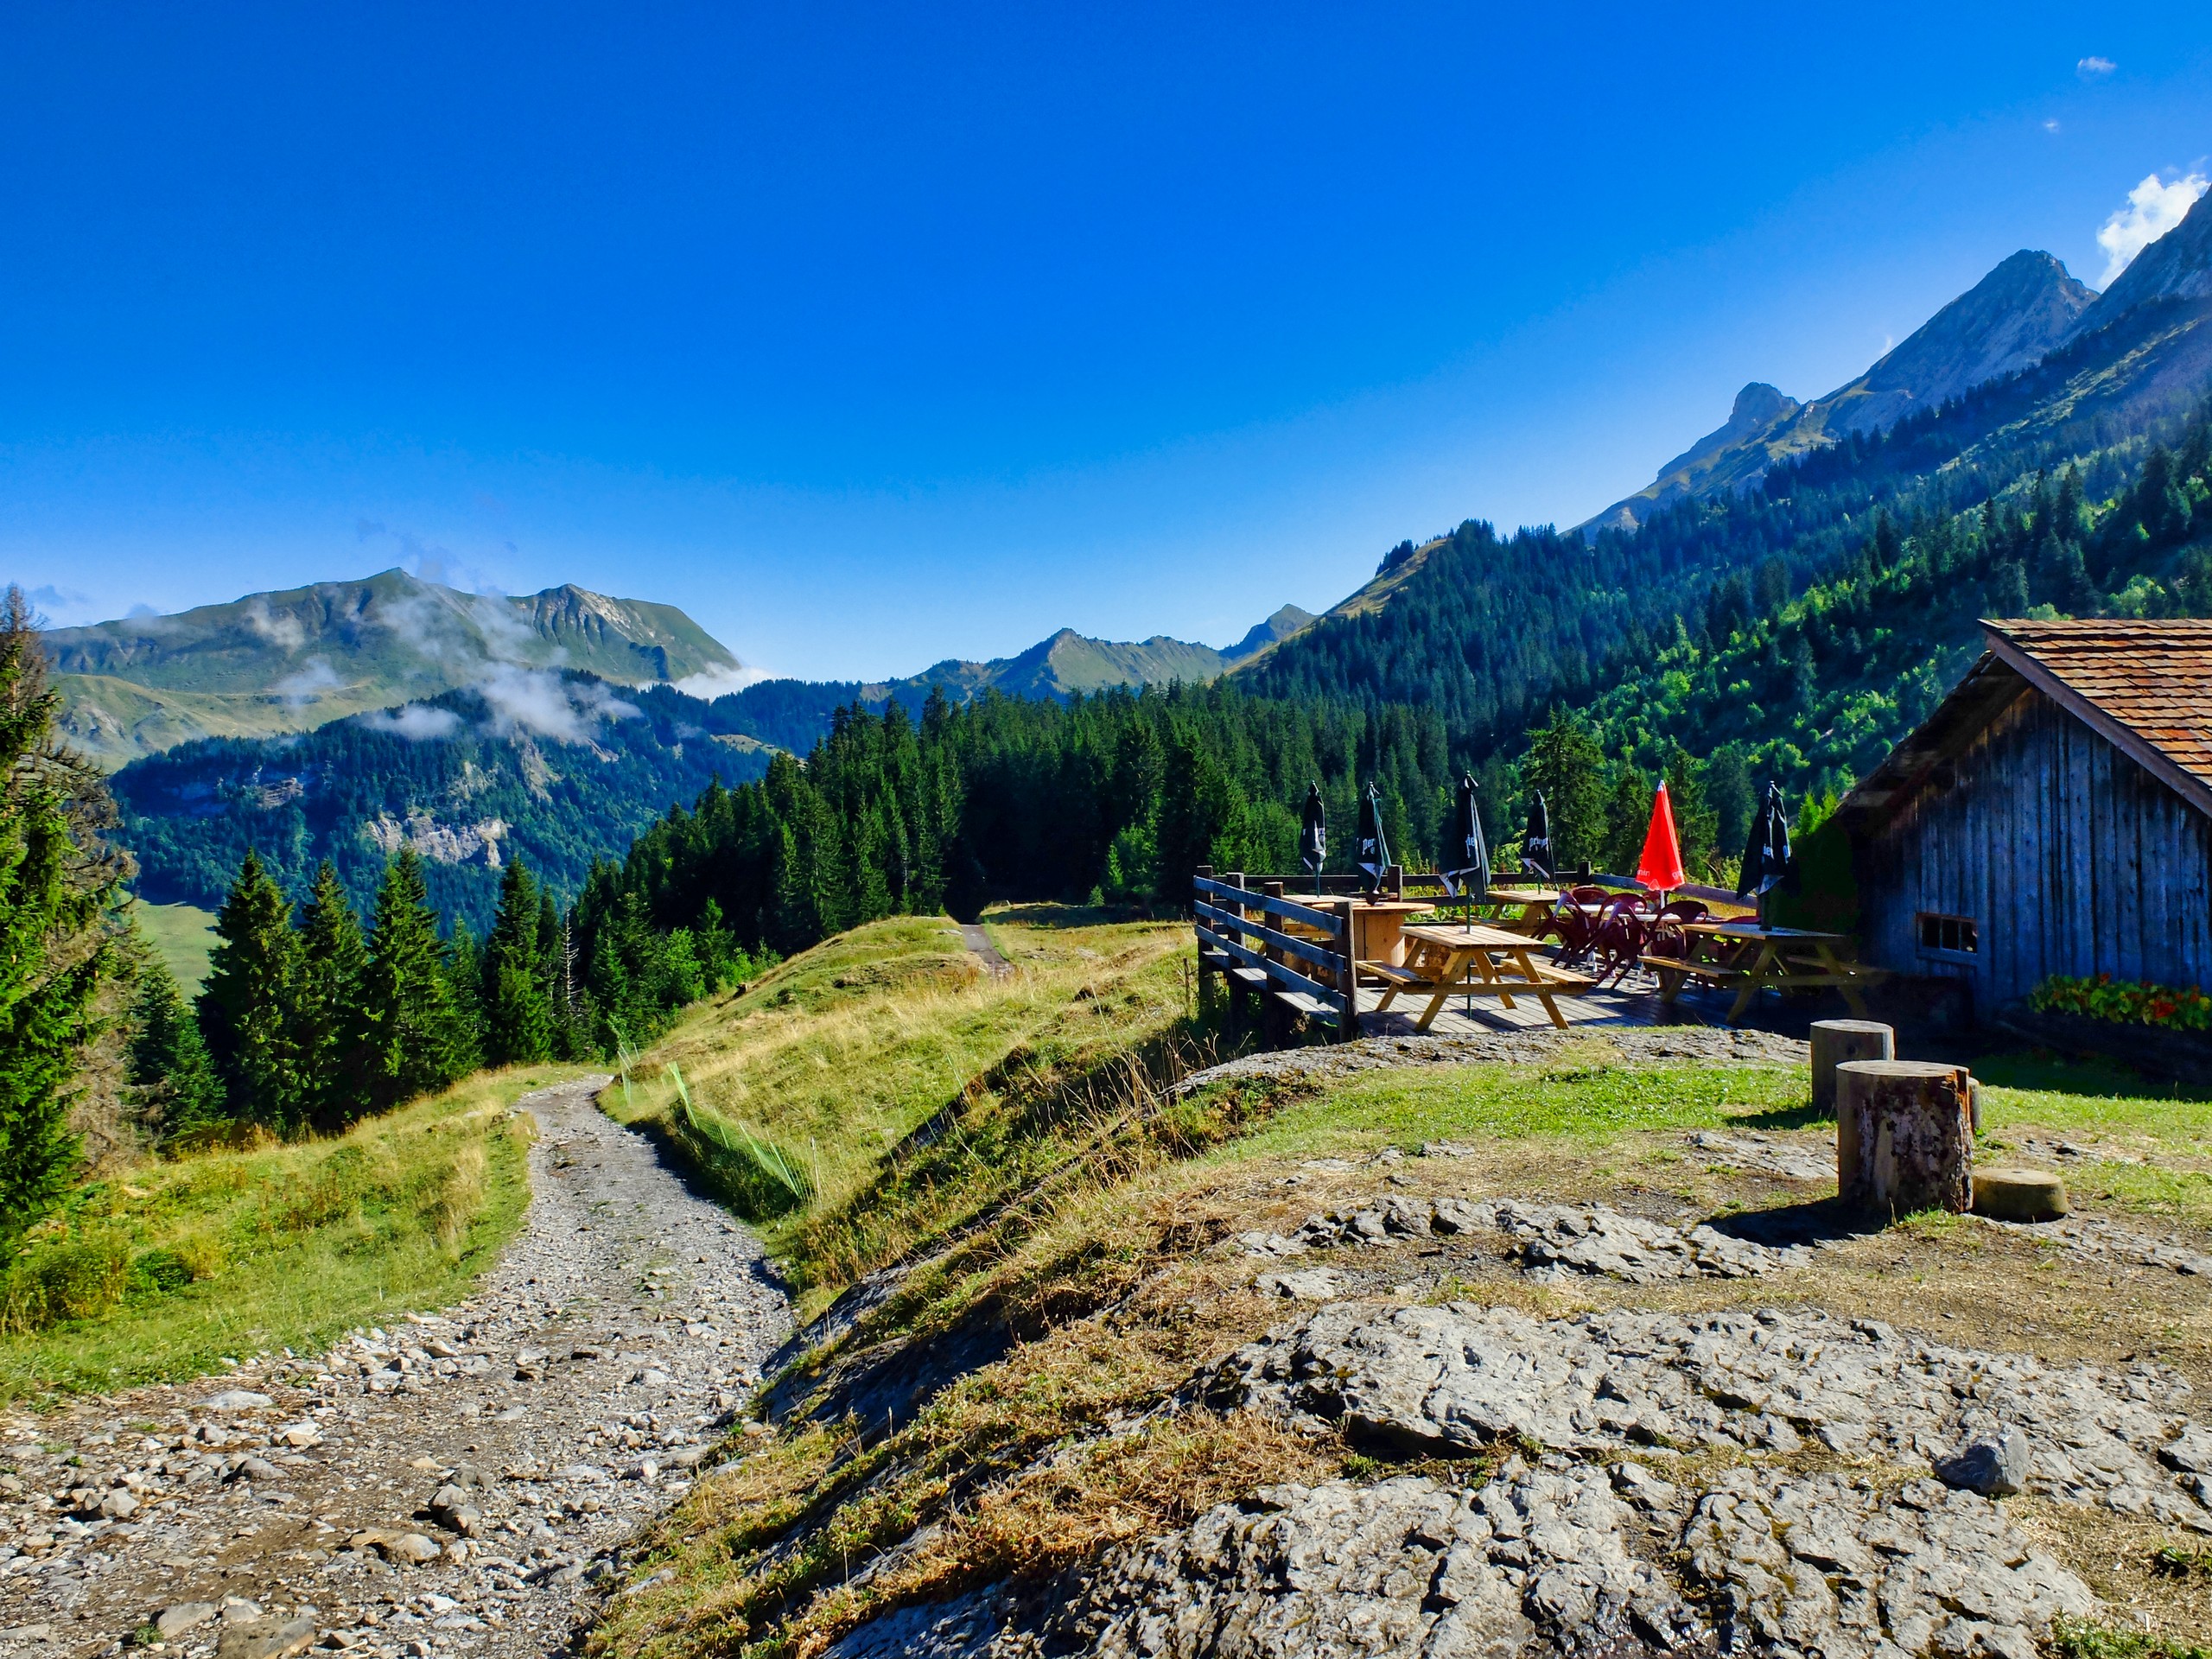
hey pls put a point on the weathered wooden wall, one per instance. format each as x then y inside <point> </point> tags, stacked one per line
<point>2069,857</point>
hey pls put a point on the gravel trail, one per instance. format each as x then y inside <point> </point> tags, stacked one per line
<point>451,1485</point>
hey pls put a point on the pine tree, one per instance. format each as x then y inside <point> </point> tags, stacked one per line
<point>330,1035</point>
<point>1565,764</point>
<point>517,1014</point>
<point>246,1007</point>
<point>168,1064</point>
<point>415,1032</point>
<point>55,882</point>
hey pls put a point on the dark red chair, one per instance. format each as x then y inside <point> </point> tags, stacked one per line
<point>1622,928</point>
<point>1667,938</point>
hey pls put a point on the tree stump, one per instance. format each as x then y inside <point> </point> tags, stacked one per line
<point>2019,1194</point>
<point>1835,1041</point>
<point>1902,1141</point>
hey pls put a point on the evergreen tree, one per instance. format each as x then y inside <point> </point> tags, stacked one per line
<point>168,1064</point>
<point>1728,792</point>
<point>416,1042</point>
<point>1628,820</point>
<point>1696,821</point>
<point>55,882</point>
<point>464,976</point>
<point>1566,765</point>
<point>517,1012</point>
<point>330,1034</point>
<point>245,1006</point>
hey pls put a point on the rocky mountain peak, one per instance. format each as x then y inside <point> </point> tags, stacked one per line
<point>2006,321</point>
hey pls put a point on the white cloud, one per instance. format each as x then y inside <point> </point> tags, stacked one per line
<point>418,723</point>
<point>2050,126</point>
<point>2154,207</point>
<point>2094,68</point>
<point>712,683</point>
<point>309,684</point>
<point>284,631</point>
<point>540,701</point>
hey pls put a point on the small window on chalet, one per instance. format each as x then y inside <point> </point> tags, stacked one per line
<point>1953,935</point>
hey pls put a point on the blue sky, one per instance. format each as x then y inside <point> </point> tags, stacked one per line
<point>872,335</point>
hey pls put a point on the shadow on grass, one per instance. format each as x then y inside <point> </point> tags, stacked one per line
<point>1807,1116</point>
<point>1067,916</point>
<point>2031,1071</point>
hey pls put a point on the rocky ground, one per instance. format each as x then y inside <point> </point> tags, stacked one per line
<point>454,1484</point>
<point>1660,1425</point>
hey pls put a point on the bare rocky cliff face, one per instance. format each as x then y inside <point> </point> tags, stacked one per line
<point>2015,316</point>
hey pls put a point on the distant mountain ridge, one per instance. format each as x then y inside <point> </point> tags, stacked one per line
<point>792,714</point>
<point>293,660</point>
<point>2016,315</point>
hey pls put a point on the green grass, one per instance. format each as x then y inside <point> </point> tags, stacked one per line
<point>182,935</point>
<point>2020,1090</point>
<point>836,1057</point>
<point>226,1253</point>
<point>1591,1102</point>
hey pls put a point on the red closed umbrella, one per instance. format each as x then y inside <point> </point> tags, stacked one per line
<point>1660,866</point>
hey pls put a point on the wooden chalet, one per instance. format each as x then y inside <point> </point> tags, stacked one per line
<point>2054,815</point>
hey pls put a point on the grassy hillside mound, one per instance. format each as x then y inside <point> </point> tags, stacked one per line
<point>167,1269</point>
<point>1016,1275</point>
<point>904,1087</point>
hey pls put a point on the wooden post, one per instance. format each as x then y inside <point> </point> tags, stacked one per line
<point>1230,983</point>
<point>1902,1141</point>
<point>1273,1021</point>
<point>1206,974</point>
<point>1835,1041</point>
<point>1396,876</point>
<point>1347,975</point>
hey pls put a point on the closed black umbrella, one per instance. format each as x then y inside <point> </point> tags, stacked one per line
<point>1466,851</point>
<point>1767,854</point>
<point>1373,854</point>
<point>1536,855</point>
<point>1313,833</point>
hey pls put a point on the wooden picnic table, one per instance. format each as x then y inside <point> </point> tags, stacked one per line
<point>1536,907</point>
<point>1751,959</point>
<point>1375,925</point>
<point>1444,959</point>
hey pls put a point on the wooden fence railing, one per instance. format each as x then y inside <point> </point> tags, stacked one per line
<point>1296,957</point>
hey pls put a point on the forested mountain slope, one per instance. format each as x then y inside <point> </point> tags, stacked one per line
<point>559,767</point>
<point>291,661</point>
<point>1491,633</point>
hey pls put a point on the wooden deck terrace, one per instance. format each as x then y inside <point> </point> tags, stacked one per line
<point>1635,1003</point>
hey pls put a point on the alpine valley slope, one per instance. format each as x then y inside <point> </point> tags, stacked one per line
<point>1767,541</point>
<point>552,765</point>
<point>291,661</point>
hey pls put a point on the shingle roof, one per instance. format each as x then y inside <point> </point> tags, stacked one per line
<point>2146,686</point>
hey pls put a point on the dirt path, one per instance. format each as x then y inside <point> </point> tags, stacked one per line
<point>513,1443</point>
<point>979,942</point>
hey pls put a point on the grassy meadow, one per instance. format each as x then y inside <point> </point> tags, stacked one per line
<point>166,1269</point>
<point>182,935</point>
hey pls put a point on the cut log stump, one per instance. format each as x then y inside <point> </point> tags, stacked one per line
<point>1835,1041</point>
<point>2019,1194</point>
<point>1902,1139</point>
